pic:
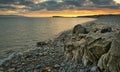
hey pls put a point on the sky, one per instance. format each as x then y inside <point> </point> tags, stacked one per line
<point>48,8</point>
<point>118,1</point>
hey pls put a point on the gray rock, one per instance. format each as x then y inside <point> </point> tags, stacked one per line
<point>40,44</point>
<point>94,69</point>
<point>38,66</point>
<point>106,29</point>
<point>79,29</point>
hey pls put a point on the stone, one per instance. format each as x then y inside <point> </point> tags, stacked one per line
<point>62,64</point>
<point>94,69</point>
<point>38,66</point>
<point>11,70</point>
<point>73,50</point>
<point>40,44</point>
<point>79,29</point>
<point>106,29</point>
<point>46,69</point>
<point>1,68</point>
<point>56,65</point>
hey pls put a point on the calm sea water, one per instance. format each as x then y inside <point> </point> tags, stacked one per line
<point>19,34</point>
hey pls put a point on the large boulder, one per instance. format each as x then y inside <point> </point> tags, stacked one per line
<point>79,29</point>
<point>74,50</point>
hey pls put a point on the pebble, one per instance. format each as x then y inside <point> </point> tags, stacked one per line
<point>11,70</point>
<point>62,64</point>
<point>41,60</point>
<point>38,66</point>
<point>47,69</point>
<point>56,65</point>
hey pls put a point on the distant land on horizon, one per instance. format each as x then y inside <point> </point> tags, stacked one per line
<point>11,16</point>
<point>18,16</point>
<point>88,16</point>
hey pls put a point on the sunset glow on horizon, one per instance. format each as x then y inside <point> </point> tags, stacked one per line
<point>74,13</point>
<point>64,13</point>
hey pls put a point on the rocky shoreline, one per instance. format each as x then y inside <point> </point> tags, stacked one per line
<point>89,47</point>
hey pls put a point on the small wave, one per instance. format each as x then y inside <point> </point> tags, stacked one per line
<point>6,59</point>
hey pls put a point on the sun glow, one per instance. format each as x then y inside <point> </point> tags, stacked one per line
<point>74,13</point>
<point>118,1</point>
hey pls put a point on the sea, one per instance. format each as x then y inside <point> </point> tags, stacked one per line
<point>20,34</point>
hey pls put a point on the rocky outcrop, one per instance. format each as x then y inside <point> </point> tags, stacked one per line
<point>110,62</point>
<point>100,47</point>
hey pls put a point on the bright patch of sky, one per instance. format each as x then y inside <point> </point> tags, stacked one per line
<point>118,1</point>
<point>38,1</point>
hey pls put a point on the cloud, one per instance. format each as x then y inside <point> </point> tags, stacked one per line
<point>103,2</point>
<point>73,4</point>
<point>11,6</point>
<point>6,6</point>
<point>55,5</point>
<point>118,1</point>
<point>17,2</point>
<point>48,5</point>
<point>7,1</point>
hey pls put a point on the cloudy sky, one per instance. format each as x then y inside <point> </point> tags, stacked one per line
<point>58,7</point>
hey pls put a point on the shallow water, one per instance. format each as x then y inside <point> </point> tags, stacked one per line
<point>19,34</point>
